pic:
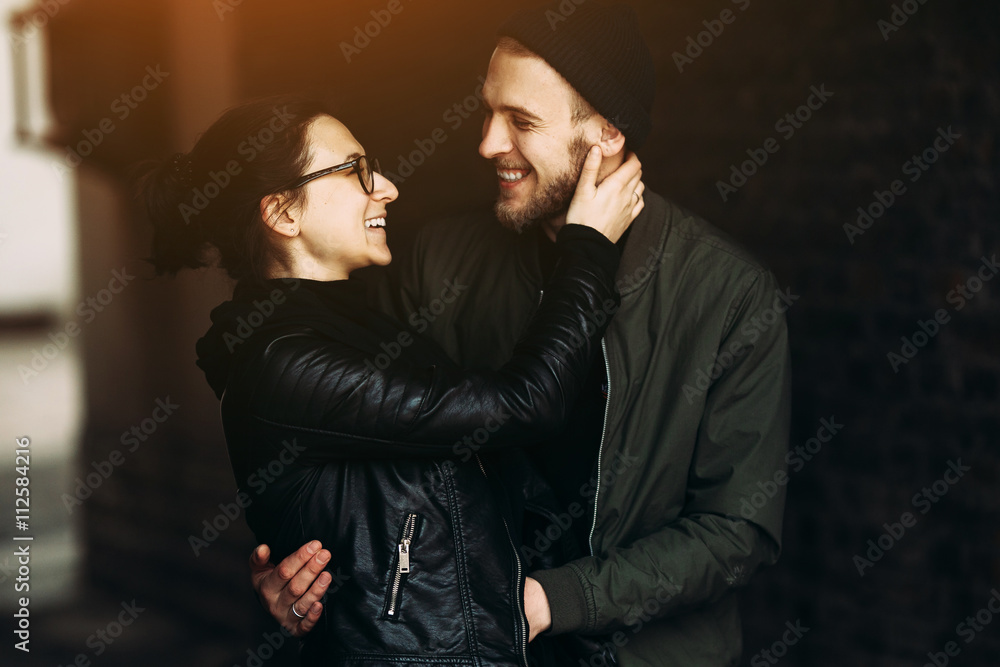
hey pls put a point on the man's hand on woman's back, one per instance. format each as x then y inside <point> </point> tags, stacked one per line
<point>298,582</point>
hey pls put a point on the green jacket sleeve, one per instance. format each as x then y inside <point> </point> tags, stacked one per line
<point>718,541</point>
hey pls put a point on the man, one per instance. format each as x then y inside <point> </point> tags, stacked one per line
<point>684,419</point>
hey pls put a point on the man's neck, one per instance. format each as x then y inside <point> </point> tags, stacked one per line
<point>552,227</point>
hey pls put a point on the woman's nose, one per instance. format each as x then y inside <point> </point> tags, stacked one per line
<point>385,190</point>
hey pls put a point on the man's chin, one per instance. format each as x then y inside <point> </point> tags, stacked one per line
<point>512,218</point>
<point>520,220</point>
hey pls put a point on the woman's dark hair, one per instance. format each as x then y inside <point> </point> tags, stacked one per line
<point>210,197</point>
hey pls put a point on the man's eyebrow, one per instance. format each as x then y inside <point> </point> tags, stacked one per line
<point>513,108</point>
<point>352,156</point>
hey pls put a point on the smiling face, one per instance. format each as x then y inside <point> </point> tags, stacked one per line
<point>535,137</point>
<point>340,227</point>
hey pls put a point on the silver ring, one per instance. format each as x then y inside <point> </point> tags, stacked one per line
<point>296,612</point>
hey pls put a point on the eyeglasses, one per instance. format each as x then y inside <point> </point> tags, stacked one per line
<point>365,170</point>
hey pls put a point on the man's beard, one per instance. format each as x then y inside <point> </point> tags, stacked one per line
<point>553,200</point>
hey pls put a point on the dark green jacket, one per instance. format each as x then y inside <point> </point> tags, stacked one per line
<point>696,427</point>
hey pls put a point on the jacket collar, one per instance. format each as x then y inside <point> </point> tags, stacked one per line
<point>645,248</point>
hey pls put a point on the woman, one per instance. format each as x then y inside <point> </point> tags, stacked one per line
<point>334,439</point>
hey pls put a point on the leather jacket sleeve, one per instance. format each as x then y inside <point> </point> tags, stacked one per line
<point>324,393</point>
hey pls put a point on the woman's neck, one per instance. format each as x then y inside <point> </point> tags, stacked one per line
<point>305,269</point>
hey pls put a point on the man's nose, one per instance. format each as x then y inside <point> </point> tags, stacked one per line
<point>496,139</point>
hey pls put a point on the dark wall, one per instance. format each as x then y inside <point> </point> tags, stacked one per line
<point>859,291</point>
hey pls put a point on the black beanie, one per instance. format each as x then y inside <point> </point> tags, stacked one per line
<point>599,50</point>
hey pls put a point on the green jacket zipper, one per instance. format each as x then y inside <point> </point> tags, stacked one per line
<point>600,451</point>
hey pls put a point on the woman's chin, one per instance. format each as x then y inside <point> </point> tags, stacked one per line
<point>382,258</point>
<point>378,249</point>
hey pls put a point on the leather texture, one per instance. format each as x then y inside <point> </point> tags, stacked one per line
<point>343,426</point>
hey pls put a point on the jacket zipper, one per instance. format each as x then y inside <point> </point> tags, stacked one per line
<point>403,562</point>
<point>600,451</point>
<point>518,585</point>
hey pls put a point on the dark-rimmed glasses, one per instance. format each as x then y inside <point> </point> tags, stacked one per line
<point>364,168</point>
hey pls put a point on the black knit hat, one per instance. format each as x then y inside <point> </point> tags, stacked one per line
<point>599,50</point>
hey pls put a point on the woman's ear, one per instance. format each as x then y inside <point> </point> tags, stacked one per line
<point>274,211</point>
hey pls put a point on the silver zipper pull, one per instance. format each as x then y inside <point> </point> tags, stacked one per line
<point>404,555</point>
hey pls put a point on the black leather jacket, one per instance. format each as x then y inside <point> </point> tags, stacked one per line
<point>346,427</point>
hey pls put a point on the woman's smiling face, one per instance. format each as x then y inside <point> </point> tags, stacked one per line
<point>341,226</point>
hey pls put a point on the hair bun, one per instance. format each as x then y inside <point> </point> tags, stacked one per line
<point>204,210</point>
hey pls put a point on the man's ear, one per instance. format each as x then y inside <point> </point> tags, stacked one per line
<point>274,211</point>
<point>612,141</point>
